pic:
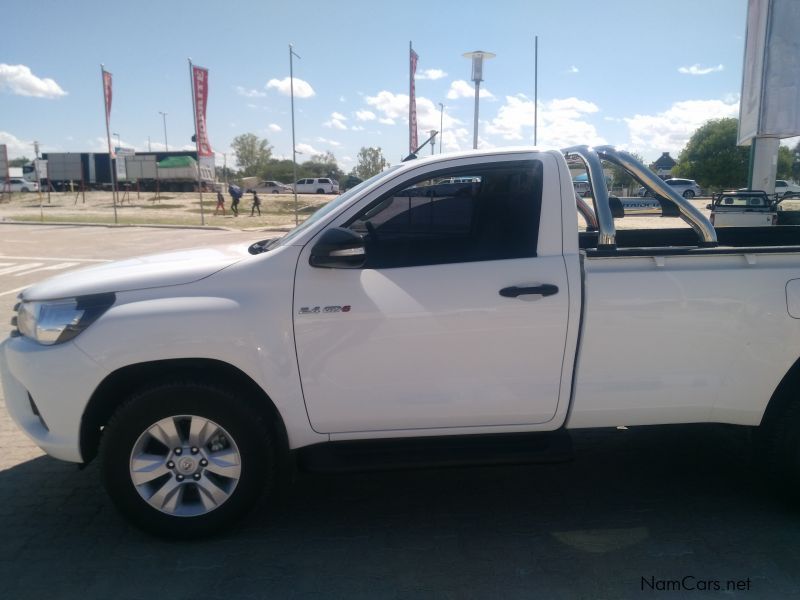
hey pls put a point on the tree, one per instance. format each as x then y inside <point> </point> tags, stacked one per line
<point>712,157</point>
<point>322,165</point>
<point>19,162</point>
<point>281,170</point>
<point>370,162</point>
<point>619,176</point>
<point>785,162</point>
<point>252,154</point>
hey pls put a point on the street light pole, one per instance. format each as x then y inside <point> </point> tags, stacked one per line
<point>441,127</point>
<point>164,117</point>
<point>292,54</point>
<point>477,58</point>
<point>119,143</point>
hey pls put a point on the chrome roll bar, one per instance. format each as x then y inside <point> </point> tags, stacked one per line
<point>607,234</point>
<point>688,212</point>
<point>587,213</point>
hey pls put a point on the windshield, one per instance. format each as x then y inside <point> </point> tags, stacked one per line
<point>333,205</point>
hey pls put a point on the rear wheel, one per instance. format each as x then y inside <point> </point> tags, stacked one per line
<point>780,445</point>
<point>185,459</point>
<point>688,194</point>
<point>320,191</point>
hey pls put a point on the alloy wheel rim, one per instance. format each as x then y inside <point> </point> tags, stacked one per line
<point>185,465</point>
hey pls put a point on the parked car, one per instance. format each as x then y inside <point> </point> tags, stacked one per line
<point>687,188</point>
<point>21,185</point>
<point>271,187</point>
<point>783,187</point>
<point>390,323</point>
<point>317,185</point>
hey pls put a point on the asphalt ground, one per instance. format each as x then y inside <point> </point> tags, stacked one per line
<point>678,512</point>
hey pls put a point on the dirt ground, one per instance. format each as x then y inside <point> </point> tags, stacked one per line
<point>277,210</point>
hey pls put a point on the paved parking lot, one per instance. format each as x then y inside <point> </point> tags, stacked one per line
<point>636,513</point>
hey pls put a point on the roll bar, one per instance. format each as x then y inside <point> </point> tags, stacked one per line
<point>607,234</point>
<point>591,158</point>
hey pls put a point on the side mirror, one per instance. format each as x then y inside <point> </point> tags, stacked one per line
<point>338,248</point>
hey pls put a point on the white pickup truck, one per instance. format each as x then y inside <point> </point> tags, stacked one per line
<point>408,314</point>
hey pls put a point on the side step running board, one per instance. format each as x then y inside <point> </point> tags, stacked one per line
<point>446,451</point>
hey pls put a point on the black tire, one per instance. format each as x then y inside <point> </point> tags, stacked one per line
<point>320,191</point>
<point>274,191</point>
<point>250,434</point>
<point>24,190</point>
<point>780,450</point>
<point>688,194</point>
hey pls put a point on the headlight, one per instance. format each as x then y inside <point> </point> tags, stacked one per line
<point>56,321</point>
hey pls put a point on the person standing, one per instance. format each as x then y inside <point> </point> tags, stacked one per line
<point>256,204</point>
<point>220,203</point>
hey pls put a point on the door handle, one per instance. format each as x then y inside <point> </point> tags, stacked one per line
<point>546,289</point>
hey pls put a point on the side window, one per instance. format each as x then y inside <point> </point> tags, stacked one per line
<point>488,212</point>
<point>324,180</point>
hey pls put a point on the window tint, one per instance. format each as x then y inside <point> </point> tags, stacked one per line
<point>489,213</point>
<point>780,183</point>
<point>324,180</point>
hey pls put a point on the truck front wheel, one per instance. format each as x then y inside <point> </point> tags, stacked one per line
<point>185,459</point>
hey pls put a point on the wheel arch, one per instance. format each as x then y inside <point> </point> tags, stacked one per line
<point>118,385</point>
<point>783,396</point>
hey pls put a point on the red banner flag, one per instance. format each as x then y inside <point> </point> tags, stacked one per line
<point>107,92</point>
<point>200,82</point>
<point>412,103</point>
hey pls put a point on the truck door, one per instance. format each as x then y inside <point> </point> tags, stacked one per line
<point>459,316</point>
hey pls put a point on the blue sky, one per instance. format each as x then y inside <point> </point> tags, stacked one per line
<point>639,74</point>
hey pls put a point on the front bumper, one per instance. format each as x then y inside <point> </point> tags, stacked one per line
<point>55,381</point>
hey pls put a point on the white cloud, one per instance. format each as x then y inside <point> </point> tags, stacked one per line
<point>333,143</point>
<point>249,93</point>
<point>16,146</point>
<point>573,69</point>
<point>394,107</point>
<point>307,150</point>
<point>463,89</point>
<point>562,121</point>
<point>357,128</point>
<point>432,74</point>
<point>19,80</point>
<point>336,121</point>
<point>669,131</point>
<point>302,89</point>
<point>696,69</point>
<point>386,121</point>
<point>365,115</point>
<point>342,99</point>
<point>274,127</point>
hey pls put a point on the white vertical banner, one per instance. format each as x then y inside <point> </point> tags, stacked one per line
<point>770,100</point>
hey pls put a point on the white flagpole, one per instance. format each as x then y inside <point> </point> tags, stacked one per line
<point>196,144</point>
<point>111,164</point>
